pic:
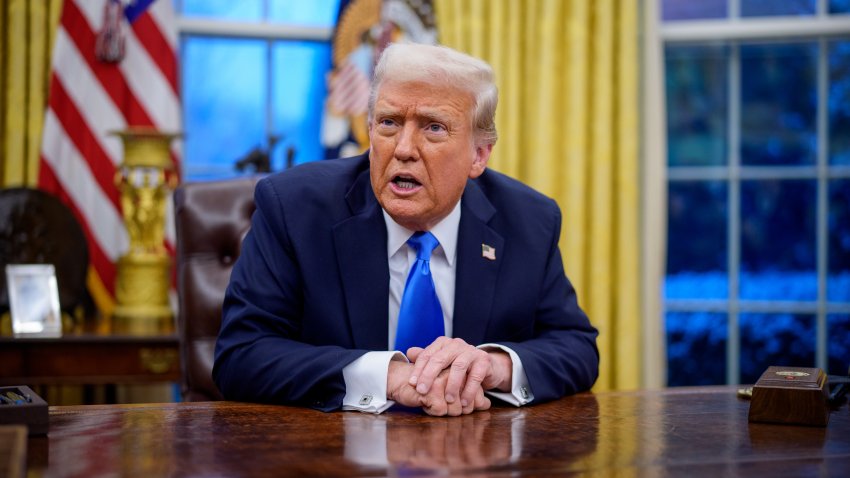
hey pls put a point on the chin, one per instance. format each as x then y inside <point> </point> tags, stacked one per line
<point>407,219</point>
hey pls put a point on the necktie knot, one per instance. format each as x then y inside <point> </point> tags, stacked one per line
<point>423,243</point>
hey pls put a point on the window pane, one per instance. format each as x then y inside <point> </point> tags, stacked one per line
<point>757,8</point>
<point>778,240</point>
<point>224,9</point>
<point>839,102</point>
<point>299,70</point>
<point>775,339</point>
<point>838,278</point>
<point>691,10</point>
<point>838,347</point>
<point>224,101</point>
<point>696,348</point>
<point>697,96</point>
<point>839,6</point>
<point>778,104</point>
<point>321,13</point>
<point>696,240</point>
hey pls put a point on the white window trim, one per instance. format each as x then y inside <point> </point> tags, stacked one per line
<point>244,29</point>
<point>653,199</point>
<point>763,28</point>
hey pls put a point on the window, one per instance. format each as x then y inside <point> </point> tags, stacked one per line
<point>758,137</point>
<point>252,78</point>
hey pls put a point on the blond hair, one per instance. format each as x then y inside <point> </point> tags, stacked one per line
<point>440,64</point>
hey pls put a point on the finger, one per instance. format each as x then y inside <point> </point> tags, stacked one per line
<point>413,353</point>
<point>421,357</point>
<point>445,353</point>
<point>439,408</point>
<point>429,363</point>
<point>458,373</point>
<point>478,372</point>
<point>501,371</point>
<point>469,406</point>
<point>454,409</point>
<point>433,405</point>
<point>436,410</point>
<point>481,401</point>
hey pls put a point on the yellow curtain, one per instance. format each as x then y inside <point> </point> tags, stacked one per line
<point>567,73</point>
<point>27,31</point>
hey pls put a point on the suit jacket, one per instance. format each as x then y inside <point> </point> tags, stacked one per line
<point>309,293</point>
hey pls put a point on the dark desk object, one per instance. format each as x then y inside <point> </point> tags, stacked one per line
<point>19,405</point>
<point>89,358</point>
<point>687,432</point>
<point>793,395</point>
<point>37,228</point>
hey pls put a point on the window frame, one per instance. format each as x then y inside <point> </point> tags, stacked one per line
<point>269,32</point>
<point>734,30</point>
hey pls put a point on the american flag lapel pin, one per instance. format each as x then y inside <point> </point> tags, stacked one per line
<point>488,252</point>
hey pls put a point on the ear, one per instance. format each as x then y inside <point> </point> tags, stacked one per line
<point>479,162</point>
<point>369,135</point>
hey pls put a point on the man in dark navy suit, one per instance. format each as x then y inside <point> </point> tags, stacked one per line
<point>410,274</point>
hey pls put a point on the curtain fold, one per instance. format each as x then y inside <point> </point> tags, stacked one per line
<point>567,73</point>
<point>27,32</point>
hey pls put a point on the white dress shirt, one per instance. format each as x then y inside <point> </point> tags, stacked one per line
<point>366,377</point>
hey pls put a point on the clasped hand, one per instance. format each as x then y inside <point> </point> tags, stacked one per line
<point>448,377</point>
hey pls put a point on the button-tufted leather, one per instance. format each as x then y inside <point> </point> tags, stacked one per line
<point>211,218</point>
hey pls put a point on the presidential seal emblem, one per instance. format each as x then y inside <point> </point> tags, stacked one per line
<point>364,29</point>
<point>791,374</point>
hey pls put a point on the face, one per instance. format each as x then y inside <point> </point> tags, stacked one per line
<point>422,150</point>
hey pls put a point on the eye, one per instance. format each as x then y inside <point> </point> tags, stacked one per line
<point>386,122</point>
<point>436,128</point>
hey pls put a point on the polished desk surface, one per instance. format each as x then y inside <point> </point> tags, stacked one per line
<point>687,431</point>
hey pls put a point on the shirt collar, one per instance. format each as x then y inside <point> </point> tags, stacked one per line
<point>445,231</point>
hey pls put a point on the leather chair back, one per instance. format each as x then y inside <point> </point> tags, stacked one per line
<point>211,218</point>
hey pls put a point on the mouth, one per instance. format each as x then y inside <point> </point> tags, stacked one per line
<point>405,184</point>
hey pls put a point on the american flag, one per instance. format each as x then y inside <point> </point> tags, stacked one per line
<point>114,66</point>
<point>488,252</point>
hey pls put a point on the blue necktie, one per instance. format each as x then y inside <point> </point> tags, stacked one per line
<point>420,318</point>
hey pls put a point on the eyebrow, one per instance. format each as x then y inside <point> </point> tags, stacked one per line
<point>435,115</point>
<point>430,114</point>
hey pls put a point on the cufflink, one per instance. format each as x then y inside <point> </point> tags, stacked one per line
<point>365,400</point>
<point>523,392</point>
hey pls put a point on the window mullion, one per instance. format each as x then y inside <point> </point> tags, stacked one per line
<point>270,104</point>
<point>733,345</point>
<point>822,200</point>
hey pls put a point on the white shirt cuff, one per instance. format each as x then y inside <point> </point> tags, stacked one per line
<point>520,393</point>
<point>366,382</point>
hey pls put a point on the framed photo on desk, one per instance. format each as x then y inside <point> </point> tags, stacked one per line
<point>34,300</point>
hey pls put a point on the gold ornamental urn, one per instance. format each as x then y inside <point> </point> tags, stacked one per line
<point>143,280</point>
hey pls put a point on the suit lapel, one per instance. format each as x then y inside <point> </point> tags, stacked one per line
<point>475,283</point>
<point>361,247</point>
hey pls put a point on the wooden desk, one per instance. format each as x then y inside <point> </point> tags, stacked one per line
<point>89,359</point>
<point>689,432</point>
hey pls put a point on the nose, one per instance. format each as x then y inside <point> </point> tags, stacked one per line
<point>405,147</point>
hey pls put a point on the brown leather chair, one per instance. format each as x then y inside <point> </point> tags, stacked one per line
<point>212,218</point>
